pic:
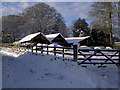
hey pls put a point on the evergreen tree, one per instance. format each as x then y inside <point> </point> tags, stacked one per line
<point>80,25</point>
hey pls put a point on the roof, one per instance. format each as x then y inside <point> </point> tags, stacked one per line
<point>50,37</point>
<point>76,39</point>
<point>36,37</point>
<point>29,37</point>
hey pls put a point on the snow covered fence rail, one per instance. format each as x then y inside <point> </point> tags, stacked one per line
<point>6,44</point>
<point>84,56</point>
<point>55,50</point>
<point>81,56</point>
<point>16,47</point>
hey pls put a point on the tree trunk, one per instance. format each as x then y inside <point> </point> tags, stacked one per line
<point>110,28</point>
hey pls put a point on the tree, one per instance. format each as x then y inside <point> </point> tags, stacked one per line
<point>98,37</point>
<point>80,25</point>
<point>105,14</point>
<point>10,24</point>
<point>44,19</point>
<point>37,18</point>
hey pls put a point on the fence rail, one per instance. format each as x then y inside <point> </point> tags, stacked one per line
<point>81,56</point>
<point>85,56</point>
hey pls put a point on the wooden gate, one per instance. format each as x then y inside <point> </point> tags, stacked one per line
<point>99,56</point>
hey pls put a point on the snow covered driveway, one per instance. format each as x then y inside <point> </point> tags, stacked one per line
<point>37,71</point>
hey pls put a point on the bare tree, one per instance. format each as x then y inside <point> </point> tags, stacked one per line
<point>37,18</point>
<point>105,15</point>
<point>10,24</point>
<point>44,19</point>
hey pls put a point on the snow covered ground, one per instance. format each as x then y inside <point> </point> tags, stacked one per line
<point>0,72</point>
<point>46,71</point>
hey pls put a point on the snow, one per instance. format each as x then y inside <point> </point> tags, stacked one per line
<point>97,48</point>
<point>13,52</point>
<point>29,37</point>
<point>43,71</point>
<point>0,72</point>
<point>50,37</point>
<point>75,39</point>
<point>108,47</point>
<point>84,47</point>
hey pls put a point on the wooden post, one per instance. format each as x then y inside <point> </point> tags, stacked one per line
<point>47,50</point>
<point>63,52</point>
<point>119,58</point>
<point>75,52</point>
<point>32,49</point>
<point>36,49</point>
<point>54,50</point>
<point>42,48</point>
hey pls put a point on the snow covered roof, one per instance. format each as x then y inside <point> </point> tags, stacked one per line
<point>41,39</point>
<point>76,39</point>
<point>57,38</point>
<point>29,37</point>
<point>50,37</point>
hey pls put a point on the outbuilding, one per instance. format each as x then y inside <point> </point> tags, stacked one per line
<point>35,38</point>
<point>57,38</point>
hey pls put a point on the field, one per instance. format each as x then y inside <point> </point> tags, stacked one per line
<point>27,70</point>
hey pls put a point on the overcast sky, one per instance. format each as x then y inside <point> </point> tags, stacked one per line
<point>69,10</point>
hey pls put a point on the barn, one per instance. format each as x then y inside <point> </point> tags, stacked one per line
<point>53,38</point>
<point>35,38</point>
<point>57,38</point>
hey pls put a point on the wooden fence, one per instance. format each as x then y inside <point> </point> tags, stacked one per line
<point>84,56</point>
<point>81,56</point>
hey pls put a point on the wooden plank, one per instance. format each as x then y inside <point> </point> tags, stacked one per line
<point>108,57</point>
<point>98,50</point>
<point>99,55</point>
<point>56,47</point>
<point>96,63</point>
<point>85,59</point>
<point>100,59</point>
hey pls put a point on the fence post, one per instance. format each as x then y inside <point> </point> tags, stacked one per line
<point>47,50</point>
<point>36,49</point>
<point>41,48</point>
<point>54,50</point>
<point>75,52</point>
<point>63,52</point>
<point>32,49</point>
<point>119,57</point>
